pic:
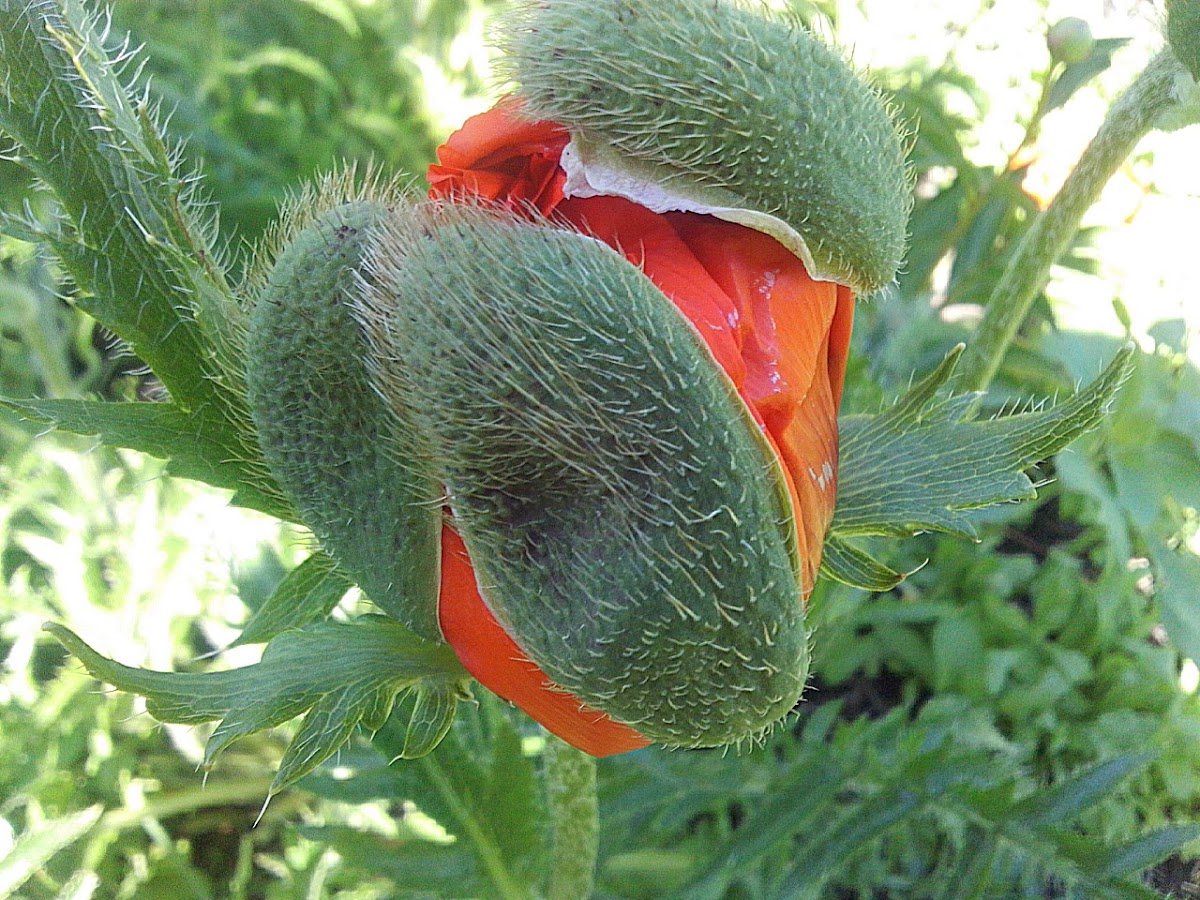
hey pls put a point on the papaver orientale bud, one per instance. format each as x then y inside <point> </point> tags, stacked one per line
<point>604,363</point>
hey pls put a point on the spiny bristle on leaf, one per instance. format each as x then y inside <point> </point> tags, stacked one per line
<point>628,525</point>
<point>324,431</point>
<point>726,109</point>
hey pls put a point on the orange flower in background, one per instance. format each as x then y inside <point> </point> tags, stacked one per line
<point>781,337</point>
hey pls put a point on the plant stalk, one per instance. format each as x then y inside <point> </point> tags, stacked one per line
<point>1130,118</point>
<point>574,820</point>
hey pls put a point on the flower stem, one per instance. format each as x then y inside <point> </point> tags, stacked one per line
<point>574,818</point>
<point>1130,118</point>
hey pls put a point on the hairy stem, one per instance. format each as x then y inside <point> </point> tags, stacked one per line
<point>1129,119</point>
<point>575,824</point>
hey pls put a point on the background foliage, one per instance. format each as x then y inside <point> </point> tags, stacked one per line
<point>1017,719</point>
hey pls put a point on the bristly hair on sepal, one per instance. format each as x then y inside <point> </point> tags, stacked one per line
<point>723,110</point>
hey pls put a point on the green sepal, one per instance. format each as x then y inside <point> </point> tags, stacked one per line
<point>703,105</point>
<point>926,461</point>
<point>328,438</point>
<point>336,675</point>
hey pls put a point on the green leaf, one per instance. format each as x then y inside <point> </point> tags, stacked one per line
<point>923,463</point>
<point>34,849</point>
<point>920,464</point>
<point>844,562</point>
<point>432,716</point>
<point>1078,74</point>
<point>309,592</point>
<point>129,234</point>
<point>1177,590</point>
<point>337,11</point>
<point>423,869</point>
<point>1147,849</point>
<point>334,674</point>
<point>1069,798</point>
<point>197,444</point>
<point>288,59</point>
<point>481,787</point>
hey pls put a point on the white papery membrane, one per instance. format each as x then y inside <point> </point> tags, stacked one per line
<point>592,172</point>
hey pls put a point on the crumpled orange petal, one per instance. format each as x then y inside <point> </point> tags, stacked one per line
<point>781,337</point>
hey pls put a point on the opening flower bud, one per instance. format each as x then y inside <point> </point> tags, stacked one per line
<point>628,522</point>
<point>1070,40</point>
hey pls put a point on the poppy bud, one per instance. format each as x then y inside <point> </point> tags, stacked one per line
<point>1070,40</point>
<point>629,525</point>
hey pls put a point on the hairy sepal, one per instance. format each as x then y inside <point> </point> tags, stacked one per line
<point>695,104</point>
<point>326,434</point>
<point>629,526</point>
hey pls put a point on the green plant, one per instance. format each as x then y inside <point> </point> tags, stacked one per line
<point>942,795</point>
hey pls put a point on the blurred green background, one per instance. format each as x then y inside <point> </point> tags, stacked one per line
<point>991,728</point>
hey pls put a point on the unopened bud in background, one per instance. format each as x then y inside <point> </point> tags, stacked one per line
<point>1070,40</point>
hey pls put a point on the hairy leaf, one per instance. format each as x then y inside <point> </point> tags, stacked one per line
<point>197,444</point>
<point>921,464</point>
<point>128,233</point>
<point>336,675</point>
<point>309,592</point>
<point>131,234</point>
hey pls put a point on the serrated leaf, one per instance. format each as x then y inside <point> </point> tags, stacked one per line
<point>432,716</point>
<point>309,592</point>
<point>337,675</point>
<point>787,813</point>
<point>197,445</point>
<point>919,465</point>
<point>1067,799</point>
<point>844,562</point>
<point>128,233</point>
<point>34,848</point>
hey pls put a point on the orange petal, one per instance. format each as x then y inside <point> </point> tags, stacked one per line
<point>490,655</point>
<point>795,335</point>
<point>502,157</point>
